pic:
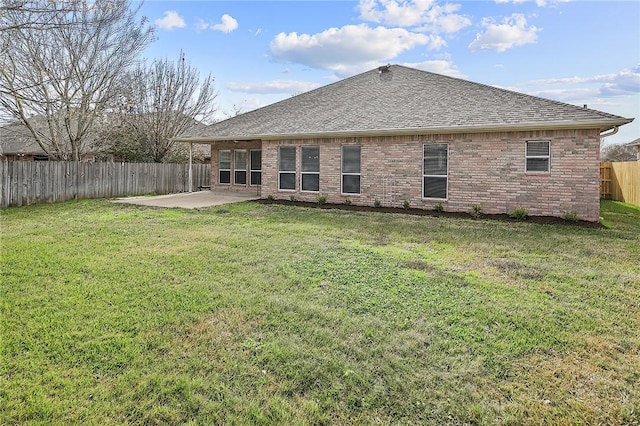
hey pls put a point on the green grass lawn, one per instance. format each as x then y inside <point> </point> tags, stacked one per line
<point>271,314</point>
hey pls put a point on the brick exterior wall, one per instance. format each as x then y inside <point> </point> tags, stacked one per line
<point>486,169</point>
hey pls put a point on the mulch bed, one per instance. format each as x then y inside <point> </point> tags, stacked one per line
<point>545,220</point>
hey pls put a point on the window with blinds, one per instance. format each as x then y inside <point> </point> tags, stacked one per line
<point>351,169</point>
<point>310,168</point>
<point>240,167</point>
<point>538,155</point>
<point>224,166</point>
<point>255,167</point>
<point>287,168</point>
<point>435,171</point>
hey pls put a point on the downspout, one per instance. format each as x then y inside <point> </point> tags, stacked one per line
<point>613,132</point>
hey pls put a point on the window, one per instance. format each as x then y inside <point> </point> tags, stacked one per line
<point>351,169</point>
<point>287,168</point>
<point>224,166</point>
<point>310,168</point>
<point>435,170</point>
<point>240,167</point>
<point>255,157</point>
<point>537,155</point>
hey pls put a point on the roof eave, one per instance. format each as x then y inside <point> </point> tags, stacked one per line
<point>602,125</point>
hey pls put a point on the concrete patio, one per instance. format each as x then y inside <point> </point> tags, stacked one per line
<point>189,200</point>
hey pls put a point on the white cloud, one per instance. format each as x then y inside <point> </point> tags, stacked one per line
<point>512,32</point>
<point>227,24</point>
<point>428,15</point>
<point>626,82</point>
<point>566,95</point>
<point>170,21</point>
<point>443,67</point>
<point>274,86</point>
<point>349,49</point>
<point>539,3</point>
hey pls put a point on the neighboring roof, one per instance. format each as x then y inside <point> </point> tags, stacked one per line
<point>403,100</point>
<point>16,139</point>
<point>634,143</point>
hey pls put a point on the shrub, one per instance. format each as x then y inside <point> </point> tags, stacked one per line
<point>322,199</point>
<point>406,205</point>
<point>347,202</point>
<point>376,203</point>
<point>292,198</point>
<point>476,211</point>
<point>271,197</point>
<point>438,208</point>
<point>571,217</point>
<point>519,214</point>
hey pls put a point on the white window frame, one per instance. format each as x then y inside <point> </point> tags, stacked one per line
<point>343,174</point>
<point>303,173</point>
<point>281,172</point>
<point>252,170</point>
<point>445,176</point>
<point>236,170</point>
<point>220,169</point>
<point>544,157</point>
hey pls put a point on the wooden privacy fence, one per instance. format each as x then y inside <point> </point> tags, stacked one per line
<point>24,182</point>
<point>620,181</point>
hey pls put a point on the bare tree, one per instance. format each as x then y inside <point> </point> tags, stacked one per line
<point>17,14</point>
<point>56,80</point>
<point>616,152</point>
<point>235,111</point>
<point>160,102</point>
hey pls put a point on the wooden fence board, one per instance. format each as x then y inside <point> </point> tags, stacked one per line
<point>605,181</point>
<point>25,182</point>
<point>620,181</point>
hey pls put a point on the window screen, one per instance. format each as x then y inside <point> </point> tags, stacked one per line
<point>224,166</point>
<point>256,167</point>
<point>351,169</point>
<point>310,168</point>
<point>537,156</point>
<point>240,167</point>
<point>287,167</point>
<point>435,170</point>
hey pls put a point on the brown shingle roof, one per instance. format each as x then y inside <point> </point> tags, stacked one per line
<point>403,100</point>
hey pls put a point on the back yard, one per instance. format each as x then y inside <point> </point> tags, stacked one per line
<point>262,314</point>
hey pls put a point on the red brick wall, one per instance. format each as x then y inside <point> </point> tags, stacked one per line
<point>248,145</point>
<point>486,169</point>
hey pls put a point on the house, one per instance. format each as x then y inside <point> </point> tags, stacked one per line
<point>396,133</point>
<point>18,144</point>
<point>636,145</point>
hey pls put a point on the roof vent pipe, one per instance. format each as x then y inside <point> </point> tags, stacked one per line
<point>384,68</point>
<point>584,106</point>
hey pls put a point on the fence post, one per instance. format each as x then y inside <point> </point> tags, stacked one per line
<point>4,174</point>
<point>190,166</point>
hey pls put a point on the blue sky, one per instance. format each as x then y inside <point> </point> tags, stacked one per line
<point>579,52</point>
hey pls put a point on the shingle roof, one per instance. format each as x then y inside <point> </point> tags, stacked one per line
<point>16,139</point>
<point>405,100</point>
<point>635,142</point>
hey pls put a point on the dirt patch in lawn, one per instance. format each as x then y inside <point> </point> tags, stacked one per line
<point>545,220</point>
